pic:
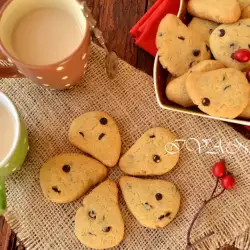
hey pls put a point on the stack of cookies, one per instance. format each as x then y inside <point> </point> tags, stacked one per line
<point>201,57</point>
<point>98,222</point>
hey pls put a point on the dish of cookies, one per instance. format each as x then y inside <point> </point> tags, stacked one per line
<point>203,61</point>
<point>99,222</point>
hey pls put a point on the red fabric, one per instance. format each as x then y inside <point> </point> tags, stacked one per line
<point>247,127</point>
<point>144,32</point>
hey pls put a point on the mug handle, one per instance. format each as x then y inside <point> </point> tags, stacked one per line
<point>3,203</point>
<point>7,70</point>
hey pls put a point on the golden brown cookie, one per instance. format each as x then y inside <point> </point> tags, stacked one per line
<point>97,134</point>
<point>152,154</point>
<point>99,223</point>
<point>176,89</point>
<point>154,203</point>
<point>66,177</point>
<point>220,93</point>
<point>179,48</point>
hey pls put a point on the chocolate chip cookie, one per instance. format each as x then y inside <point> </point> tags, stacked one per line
<point>222,11</point>
<point>152,154</point>
<point>154,203</point>
<point>99,223</point>
<point>66,177</point>
<point>203,27</point>
<point>179,48</point>
<point>176,89</point>
<point>97,134</point>
<point>226,39</point>
<point>220,93</point>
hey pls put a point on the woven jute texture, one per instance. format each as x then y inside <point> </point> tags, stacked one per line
<point>130,100</point>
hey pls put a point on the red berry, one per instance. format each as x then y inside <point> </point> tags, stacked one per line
<point>242,55</point>
<point>219,169</point>
<point>248,75</point>
<point>228,182</point>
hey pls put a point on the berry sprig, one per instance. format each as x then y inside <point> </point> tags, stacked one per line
<point>227,182</point>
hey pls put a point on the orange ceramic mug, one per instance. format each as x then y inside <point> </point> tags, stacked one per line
<point>47,41</point>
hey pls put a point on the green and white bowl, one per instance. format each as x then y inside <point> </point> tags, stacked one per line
<point>18,152</point>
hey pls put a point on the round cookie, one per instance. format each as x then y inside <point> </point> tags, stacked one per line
<point>246,12</point>
<point>203,27</point>
<point>66,177</point>
<point>152,154</point>
<point>179,48</point>
<point>99,223</point>
<point>220,93</point>
<point>154,203</point>
<point>97,134</point>
<point>226,39</point>
<point>222,11</point>
<point>176,89</point>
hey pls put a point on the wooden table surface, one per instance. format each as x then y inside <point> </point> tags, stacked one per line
<point>115,18</point>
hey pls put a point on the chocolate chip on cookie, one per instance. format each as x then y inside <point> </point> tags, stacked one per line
<point>158,196</point>
<point>57,176</point>
<point>81,133</point>
<point>205,102</point>
<point>221,32</point>
<point>55,189</point>
<point>100,215</point>
<point>181,38</point>
<point>196,52</point>
<point>106,229</point>
<point>104,121</point>
<point>156,158</point>
<point>101,135</point>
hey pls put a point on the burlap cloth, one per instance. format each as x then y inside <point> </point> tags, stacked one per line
<point>130,99</point>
